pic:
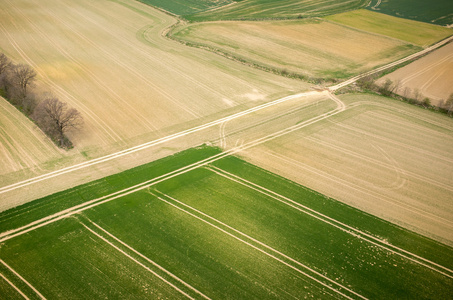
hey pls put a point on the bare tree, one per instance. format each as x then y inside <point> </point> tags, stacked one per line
<point>449,103</point>
<point>22,75</point>
<point>5,66</point>
<point>56,118</point>
<point>386,88</point>
<point>407,92</point>
<point>396,86</point>
<point>5,63</point>
<point>366,82</point>
<point>417,95</point>
<point>426,102</point>
<point>441,103</point>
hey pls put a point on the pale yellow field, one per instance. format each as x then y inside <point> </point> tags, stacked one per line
<point>109,60</point>
<point>22,145</point>
<point>312,47</point>
<point>431,75</point>
<point>390,159</point>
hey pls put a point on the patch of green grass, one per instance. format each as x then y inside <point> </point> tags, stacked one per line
<point>418,33</point>
<point>436,12</point>
<point>276,9</point>
<point>186,7</point>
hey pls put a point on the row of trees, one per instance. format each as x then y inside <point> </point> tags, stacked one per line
<point>393,89</point>
<point>54,117</point>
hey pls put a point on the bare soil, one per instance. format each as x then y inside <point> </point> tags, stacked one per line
<point>311,47</point>
<point>130,83</point>
<point>431,75</point>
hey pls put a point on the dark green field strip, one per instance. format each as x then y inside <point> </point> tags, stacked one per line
<point>35,210</point>
<point>65,261</point>
<point>368,268</point>
<point>186,7</point>
<point>383,230</point>
<point>217,264</point>
<point>269,9</point>
<point>7,292</point>
<point>437,11</point>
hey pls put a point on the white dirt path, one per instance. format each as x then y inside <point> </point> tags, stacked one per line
<point>185,132</point>
<point>95,202</point>
<point>400,61</point>
<point>15,287</point>
<point>152,143</point>
<point>23,279</point>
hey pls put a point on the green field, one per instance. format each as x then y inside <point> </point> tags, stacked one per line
<point>224,230</point>
<point>437,12</point>
<point>280,9</point>
<point>186,7</point>
<point>418,33</point>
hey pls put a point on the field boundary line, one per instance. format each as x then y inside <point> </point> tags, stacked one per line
<point>255,247</point>
<point>15,287</point>
<point>118,194</point>
<point>22,278</point>
<point>152,143</point>
<point>331,221</point>
<point>354,186</point>
<point>142,256</point>
<point>395,63</point>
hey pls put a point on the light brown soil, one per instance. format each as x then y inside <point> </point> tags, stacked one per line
<point>431,75</point>
<point>313,47</point>
<point>131,84</point>
<point>22,144</point>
